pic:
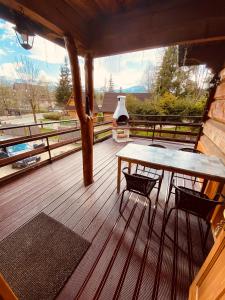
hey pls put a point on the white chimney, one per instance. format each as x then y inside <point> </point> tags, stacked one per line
<point>121,108</point>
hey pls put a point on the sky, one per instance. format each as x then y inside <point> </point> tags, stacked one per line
<point>127,69</point>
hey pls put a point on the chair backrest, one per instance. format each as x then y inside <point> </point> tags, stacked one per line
<point>190,150</point>
<point>157,145</point>
<point>190,201</point>
<point>139,183</point>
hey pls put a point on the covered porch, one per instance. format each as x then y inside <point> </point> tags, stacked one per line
<point>127,258</point>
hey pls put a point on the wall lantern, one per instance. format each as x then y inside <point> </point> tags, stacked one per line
<point>24,34</point>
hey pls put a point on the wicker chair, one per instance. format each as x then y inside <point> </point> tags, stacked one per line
<point>177,176</point>
<point>152,173</point>
<point>195,203</point>
<point>138,184</point>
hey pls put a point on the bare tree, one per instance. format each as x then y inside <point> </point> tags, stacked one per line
<point>201,76</point>
<point>99,98</point>
<point>148,77</point>
<point>28,73</point>
<point>6,97</point>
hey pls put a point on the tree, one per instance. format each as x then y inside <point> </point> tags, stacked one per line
<point>181,81</point>
<point>166,79</point>
<point>28,72</point>
<point>6,97</point>
<point>149,77</point>
<point>171,78</point>
<point>111,84</point>
<point>64,88</point>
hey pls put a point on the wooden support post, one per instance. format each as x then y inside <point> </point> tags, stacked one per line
<point>89,86</point>
<point>89,91</point>
<point>86,122</point>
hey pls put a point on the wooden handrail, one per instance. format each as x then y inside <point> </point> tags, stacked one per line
<point>181,116</point>
<point>36,137</point>
<point>9,160</point>
<point>143,122</point>
<point>48,147</point>
<point>48,123</point>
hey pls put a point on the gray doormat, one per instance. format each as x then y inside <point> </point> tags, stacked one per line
<point>38,258</point>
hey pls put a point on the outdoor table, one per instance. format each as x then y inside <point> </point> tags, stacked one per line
<point>187,163</point>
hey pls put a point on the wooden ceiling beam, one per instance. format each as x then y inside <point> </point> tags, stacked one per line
<point>211,54</point>
<point>55,15</point>
<point>9,15</point>
<point>151,27</point>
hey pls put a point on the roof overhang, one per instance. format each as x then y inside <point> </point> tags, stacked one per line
<point>212,54</point>
<point>122,26</point>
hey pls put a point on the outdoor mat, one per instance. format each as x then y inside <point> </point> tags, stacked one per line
<point>37,259</point>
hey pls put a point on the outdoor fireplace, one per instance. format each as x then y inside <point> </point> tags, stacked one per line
<point>120,129</point>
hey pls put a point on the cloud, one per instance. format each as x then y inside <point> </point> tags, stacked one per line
<point>8,31</point>
<point>44,77</point>
<point>9,71</point>
<point>47,51</point>
<point>126,69</point>
<point>2,52</point>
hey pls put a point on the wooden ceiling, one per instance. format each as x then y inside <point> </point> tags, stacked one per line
<point>106,27</point>
<point>212,54</point>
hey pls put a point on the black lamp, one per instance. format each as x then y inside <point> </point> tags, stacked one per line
<point>24,34</point>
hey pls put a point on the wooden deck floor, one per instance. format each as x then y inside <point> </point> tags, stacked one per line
<point>127,259</point>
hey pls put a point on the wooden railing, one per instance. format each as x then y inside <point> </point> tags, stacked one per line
<point>46,146</point>
<point>163,118</point>
<point>175,131</point>
<point>185,129</point>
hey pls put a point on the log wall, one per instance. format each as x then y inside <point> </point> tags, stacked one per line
<point>212,142</point>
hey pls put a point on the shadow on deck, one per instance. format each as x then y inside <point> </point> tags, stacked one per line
<point>127,259</point>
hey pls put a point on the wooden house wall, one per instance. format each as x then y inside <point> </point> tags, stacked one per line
<point>212,142</point>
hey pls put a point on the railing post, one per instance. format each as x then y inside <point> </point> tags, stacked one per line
<point>49,151</point>
<point>29,131</point>
<point>160,127</point>
<point>174,135</point>
<point>153,133</point>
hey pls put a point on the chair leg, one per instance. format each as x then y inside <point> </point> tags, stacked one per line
<point>170,186</point>
<point>121,201</point>
<point>195,181</point>
<point>149,210</point>
<point>136,169</point>
<point>159,187</point>
<point>206,235</point>
<point>168,215</point>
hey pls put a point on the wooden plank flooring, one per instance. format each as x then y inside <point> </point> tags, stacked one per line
<point>127,259</point>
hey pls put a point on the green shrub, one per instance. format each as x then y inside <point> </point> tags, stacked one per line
<point>167,104</point>
<point>100,117</point>
<point>42,110</point>
<point>55,116</point>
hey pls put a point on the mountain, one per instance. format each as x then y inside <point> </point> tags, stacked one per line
<point>133,89</point>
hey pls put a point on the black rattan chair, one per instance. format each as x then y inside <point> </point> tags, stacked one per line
<point>195,203</point>
<point>157,174</point>
<point>138,184</point>
<point>175,176</point>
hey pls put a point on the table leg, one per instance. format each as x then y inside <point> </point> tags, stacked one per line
<point>220,187</point>
<point>118,175</point>
<point>129,167</point>
<point>204,184</point>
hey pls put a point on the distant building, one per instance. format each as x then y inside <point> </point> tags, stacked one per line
<point>71,108</point>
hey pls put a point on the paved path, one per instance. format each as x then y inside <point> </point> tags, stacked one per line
<point>20,119</point>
